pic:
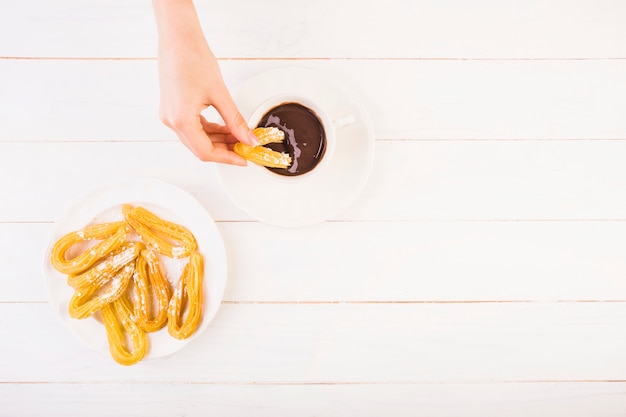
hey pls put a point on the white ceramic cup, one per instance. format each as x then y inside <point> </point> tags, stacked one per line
<point>329,126</point>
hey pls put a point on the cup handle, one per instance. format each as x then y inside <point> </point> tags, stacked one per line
<point>344,121</point>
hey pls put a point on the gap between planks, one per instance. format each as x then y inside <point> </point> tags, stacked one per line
<point>580,220</point>
<point>313,58</point>
<point>382,302</point>
<point>303,383</point>
<point>379,139</point>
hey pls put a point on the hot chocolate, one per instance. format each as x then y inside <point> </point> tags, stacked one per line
<point>305,138</point>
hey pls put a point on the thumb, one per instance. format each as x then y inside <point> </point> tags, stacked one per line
<point>236,123</point>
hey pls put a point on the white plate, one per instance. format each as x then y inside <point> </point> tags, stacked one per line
<point>104,204</point>
<point>296,201</point>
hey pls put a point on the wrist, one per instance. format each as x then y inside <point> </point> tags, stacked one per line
<point>176,17</point>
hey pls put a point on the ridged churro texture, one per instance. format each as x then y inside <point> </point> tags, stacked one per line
<point>119,272</point>
<point>261,155</point>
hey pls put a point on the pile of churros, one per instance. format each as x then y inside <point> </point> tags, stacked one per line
<point>118,272</point>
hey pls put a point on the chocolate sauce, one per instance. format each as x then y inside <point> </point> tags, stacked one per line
<point>305,138</point>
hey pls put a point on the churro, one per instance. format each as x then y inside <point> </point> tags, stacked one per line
<point>111,236</point>
<point>118,322</point>
<point>165,237</point>
<point>262,155</point>
<point>152,290</point>
<point>122,277</point>
<point>188,292</point>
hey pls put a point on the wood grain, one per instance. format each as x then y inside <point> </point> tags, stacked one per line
<point>554,29</point>
<point>480,273</point>
<point>407,262</point>
<point>346,343</point>
<point>602,399</point>
<point>411,180</point>
<point>95,100</point>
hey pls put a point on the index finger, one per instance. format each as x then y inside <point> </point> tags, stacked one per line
<point>199,142</point>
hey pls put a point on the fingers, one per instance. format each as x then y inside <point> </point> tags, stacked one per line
<point>235,121</point>
<point>218,133</point>
<point>201,144</point>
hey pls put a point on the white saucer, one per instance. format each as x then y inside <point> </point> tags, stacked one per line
<point>319,195</point>
<point>103,203</point>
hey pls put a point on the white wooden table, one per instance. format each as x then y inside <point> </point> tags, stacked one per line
<point>482,272</point>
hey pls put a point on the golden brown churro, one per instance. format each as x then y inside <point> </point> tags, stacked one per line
<point>112,235</point>
<point>167,238</point>
<point>118,322</point>
<point>150,284</point>
<point>188,291</point>
<point>261,155</point>
<point>88,299</point>
<point>103,271</point>
<point>101,276</point>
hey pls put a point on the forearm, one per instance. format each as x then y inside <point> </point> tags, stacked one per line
<point>190,81</point>
<point>177,23</point>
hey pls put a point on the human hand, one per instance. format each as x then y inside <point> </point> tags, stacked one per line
<point>190,81</point>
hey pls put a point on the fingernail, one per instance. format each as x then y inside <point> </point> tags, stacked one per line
<point>254,141</point>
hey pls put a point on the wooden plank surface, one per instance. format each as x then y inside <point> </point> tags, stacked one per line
<point>345,343</point>
<point>602,399</point>
<point>411,180</point>
<point>406,262</point>
<point>329,29</point>
<point>94,100</point>
<point>480,272</point>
